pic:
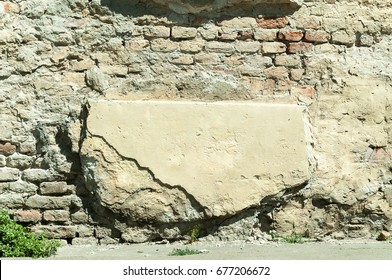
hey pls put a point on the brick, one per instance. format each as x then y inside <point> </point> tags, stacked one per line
<point>317,36</point>
<point>137,44</point>
<point>287,60</point>
<point>333,24</point>
<point>219,47</point>
<point>53,231</point>
<point>192,46</point>
<point>56,188</point>
<point>300,47</point>
<point>278,22</point>
<point>163,45</point>
<point>7,149</point>
<point>19,161</point>
<point>247,47</point>
<point>85,231</point>
<point>290,35</point>
<point>273,47</point>
<point>343,38</point>
<point>179,32</point>
<point>296,74</point>
<point>228,35</point>
<point>208,33</point>
<point>156,32</point>
<point>246,34</point>
<point>9,174</point>
<point>258,61</point>
<point>207,58</point>
<point>56,216</point>
<point>185,59</point>
<point>48,202</point>
<point>11,200</point>
<point>39,175</point>
<point>28,216</point>
<point>276,72</point>
<point>22,187</point>
<point>247,70</point>
<point>268,35</point>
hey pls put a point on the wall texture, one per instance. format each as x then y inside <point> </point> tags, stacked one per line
<point>58,57</point>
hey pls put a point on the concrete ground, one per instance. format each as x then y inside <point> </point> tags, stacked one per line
<point>332,250</point>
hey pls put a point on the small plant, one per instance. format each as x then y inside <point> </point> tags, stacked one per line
<point>16,241</point>
<point>184,252</point>
<point>194,233</point>
<point>294,238</point>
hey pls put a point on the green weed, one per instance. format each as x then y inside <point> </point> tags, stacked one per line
<point>184,252</point>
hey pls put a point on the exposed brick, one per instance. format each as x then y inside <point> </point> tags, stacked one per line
<point>219,47</point>
<point>343,38</point>
<point>228,34</point>
<point>304,90</point>
<point>287,60</point>
<point>163,45</point>
<point>290,35</point>
<point>268,35</point>
<point>179,32</point>
<point>48,202</point>
<point>208,33</point>
<point>296,74</point>
<point>207,58</point>
<point>22,187</point>
<point>184,59</point>
<point>156,32</point>
<point>85,231</point>
<point>317,36</point>
<point>278,22</point>
<point>137,44</point>
<point>249,71</point>
<point>28,216</point>
<point>276,72</point>
<point>273,47</point>
<point>53,231</point>
<point>7,149</point>
<point>56,216</point>
<point>247,47</point>
<point>9,174</point>
<point>56,188</point>
<point>300,47</point>
<point>269,87</point>
<point>192,46</point>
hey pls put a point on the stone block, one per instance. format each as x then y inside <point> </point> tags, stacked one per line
<point>276,72</point>
<point>227,155</point>
<point>9,174</point>
<point>290,35</point>
<point>39,175</point>
<point>7,149</point>
<point>114,70</point>
<point>296,74</point>
<point>273,47</point>
<point>156,32</point>
<point>58,232</point>
<point>207,58</point>
<point>247,47</point>
<point>22,187</point>
<point>79,217</point>
<point>268,35</point>
<point>300,47</point>
<point>2,160</point>
<point>28,216</point>
<point>184,59</point>
<point>317,36</point>
<point>219,47</point>
<point>11,200</point>
<point>56,216</point>
<point>84,241</point>
<point>179,32</point>
<point>56,188</point>
<point>209,33</point>
<point>81,65</point>
<point>343,38</point>
<point>19,161</point>
<point>278,22</point>
<point>137,44</point>
<point>288,60</point>
<point>192,46</point>
<point>163,45</point>
<point>48,202</point>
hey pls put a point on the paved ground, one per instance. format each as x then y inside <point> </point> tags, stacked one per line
<point>333,250</point>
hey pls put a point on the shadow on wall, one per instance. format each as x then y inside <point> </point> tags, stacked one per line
<point>191,12</point>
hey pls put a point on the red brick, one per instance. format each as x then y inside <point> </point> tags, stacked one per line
<point>269,87</point>
<point>299,47</point>
<point>28,216</point>
<point>317,36</point>
<point>278,22</point>
<point>304,90</point>
<point>290,35</point>
<point>7,149</point>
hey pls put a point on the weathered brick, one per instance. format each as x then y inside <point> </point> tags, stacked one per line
<point>300,47</point>
<point>268,35</point>
<point>269,87</point>
<point>249,71</point>
<point>184,59</point>
<point>19,161</point>
<point>219,47</point>
<point>307,22</point>
<point>207,58</point>
<point>56,216</point>
<point>246,34</point>
<point>278,22</point>
<point>85,231</point>
<point>39,175</point>
<point>156,32</point>
<point>79,217</point>
<point>192,46</point>
<point>303,90</point>
<point>7,149</point>
<point>343,38</point>
<point>56,188</point>
<point>287,60</point>
<point>137,44</point>
<point>317,36</point>
<point>179,32</point>
<point>333,24</point>
<point>209,32</point>
<point>28,147</point>
<point>28,216</point>
<point>239,22</point>
<point>290,35</point>
<point>11,200</point>
<point>228,34</point>
<point>48,202</point>
<point>22,187</point>
<point>276,72</point>
<point>53,231</point>
<point>296,74</point>
<point>273,47</point>
<point>9,174</point>
<point>163,45</point>
<point>247,47</point>
<point>84,241</point>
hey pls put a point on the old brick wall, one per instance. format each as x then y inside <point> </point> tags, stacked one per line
<point>332,56</point>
